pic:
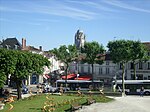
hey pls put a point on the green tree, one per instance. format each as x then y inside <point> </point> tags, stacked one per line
<point>93,52</point>
<point>66,54</point>
<point>7,65</point>
<point>120,53</point>
<point>21,64</point>
<point>138,54</point>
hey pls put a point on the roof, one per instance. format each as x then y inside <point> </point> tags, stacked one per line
<point>106,56</point>
<point>11,42</point>
<point>30,48</point>
<point>147,44</point>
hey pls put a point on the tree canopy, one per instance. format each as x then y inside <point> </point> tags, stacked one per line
<point>20,64</point>
<point>119,50</point>
<point>123,51</point>
<point>93,52</point>
<point>138,53</point>
<point>120,53</point>
<point>66,54</point>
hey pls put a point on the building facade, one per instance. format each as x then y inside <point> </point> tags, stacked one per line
<point>109,71</point>
<point>104,72</point>
<point>55,65</point>
<point>142,68</point>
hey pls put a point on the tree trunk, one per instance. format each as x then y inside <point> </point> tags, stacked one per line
<point>18,83</point>
<point>123,75</point>
<point>92,76</point>
<point>66,73</point>
<point>134,67</point>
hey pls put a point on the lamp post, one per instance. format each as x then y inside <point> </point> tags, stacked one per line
<point>66,72</point>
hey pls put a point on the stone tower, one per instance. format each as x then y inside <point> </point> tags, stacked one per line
<point>79,39</point>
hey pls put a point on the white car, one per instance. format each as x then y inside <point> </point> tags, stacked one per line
<point>48,88</point>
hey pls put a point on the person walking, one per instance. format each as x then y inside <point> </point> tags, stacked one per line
<point>142,91</point>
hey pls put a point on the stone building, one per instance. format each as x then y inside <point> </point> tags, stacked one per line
<point>79,39</point>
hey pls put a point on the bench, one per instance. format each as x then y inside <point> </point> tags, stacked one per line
<point>75,106</point>
<point>90,101</point>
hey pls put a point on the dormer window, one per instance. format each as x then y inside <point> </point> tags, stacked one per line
<point>16,47</point>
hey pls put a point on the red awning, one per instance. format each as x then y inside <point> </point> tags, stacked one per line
<point>46,76</point>
<point>69,76</point>
<point>84,78</point>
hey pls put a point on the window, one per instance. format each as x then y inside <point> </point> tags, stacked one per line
<point>148,65</point>
<point>62,68</point>
<point>132,77</point>
<point>107,62</point>
<point>100,71</point>
<point>140,65</point>
<point>89,68</point>
<point>107,70</point>
<point>132,66</point>
<point>1,46</point>
<point>139,76</point>
<point>7,46</point>
<point>16,46</point>
<point>82,69</point>
<point>121,65</point>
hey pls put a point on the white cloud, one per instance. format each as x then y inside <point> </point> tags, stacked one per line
<point>58,9</point>
<point>126,6</point>
<point>80,10</point>
<point>97,5</point>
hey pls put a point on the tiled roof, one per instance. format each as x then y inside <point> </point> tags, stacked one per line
<point>147,44</point>
<point>11,42</point>
<point>30,48</point>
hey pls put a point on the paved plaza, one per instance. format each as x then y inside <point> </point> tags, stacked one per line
<point>121,104</point>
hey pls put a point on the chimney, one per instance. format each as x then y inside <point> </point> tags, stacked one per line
<point>23,43</point>
<point>40,48</point>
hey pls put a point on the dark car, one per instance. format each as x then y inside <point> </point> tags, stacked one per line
<point>24,90</point>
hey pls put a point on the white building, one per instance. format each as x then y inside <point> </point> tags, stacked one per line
<point>55,64</point>
<point>142,68</point>
<point>105,72</point>
<point>109,71</point>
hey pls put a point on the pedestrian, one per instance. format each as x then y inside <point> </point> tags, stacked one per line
<point>142,91</point>
<point>6,94</point>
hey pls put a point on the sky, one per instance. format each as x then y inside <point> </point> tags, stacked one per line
<point>51,23</point>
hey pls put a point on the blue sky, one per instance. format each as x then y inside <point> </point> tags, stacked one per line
<point>52,23</point>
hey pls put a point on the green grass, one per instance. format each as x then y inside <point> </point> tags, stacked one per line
<point>102,99</point>
<point>36,103</point>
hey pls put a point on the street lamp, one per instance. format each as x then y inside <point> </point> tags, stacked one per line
<point>66,72</point>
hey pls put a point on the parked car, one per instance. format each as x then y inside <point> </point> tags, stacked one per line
<point>48,88</point>
<point>24,90</point>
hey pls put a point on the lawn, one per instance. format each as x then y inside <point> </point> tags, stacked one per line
<point>36,103</point>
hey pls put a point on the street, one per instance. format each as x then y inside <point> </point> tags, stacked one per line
<point>121,104</point>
